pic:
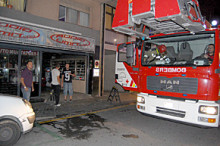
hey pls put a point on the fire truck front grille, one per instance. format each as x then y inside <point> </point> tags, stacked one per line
<point>170,112</point>
<point>175,84</point>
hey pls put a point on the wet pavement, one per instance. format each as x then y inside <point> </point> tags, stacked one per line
<point>81,103</point>
<point>96,122</point>
<point>79,127</point>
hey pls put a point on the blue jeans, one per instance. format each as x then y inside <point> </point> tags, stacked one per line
<point>67,87</point>
<point>26,94</point>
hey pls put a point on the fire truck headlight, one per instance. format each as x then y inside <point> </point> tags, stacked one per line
<point>140,99</point>
<point>210,110</point>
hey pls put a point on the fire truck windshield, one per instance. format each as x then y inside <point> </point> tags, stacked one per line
<point>179,50</point>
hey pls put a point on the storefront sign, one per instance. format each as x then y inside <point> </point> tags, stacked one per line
<point>23,52</point>
<point>95,72</point>
<point>69,40</point>
<point>11,32</point>
<point>16,31</point>
<point>8,51</point>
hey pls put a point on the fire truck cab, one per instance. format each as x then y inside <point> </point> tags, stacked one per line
<point>176,72</point>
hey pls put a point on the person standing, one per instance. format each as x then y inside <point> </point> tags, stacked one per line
<point>27,81</point>
<point>67,82</point>
<point>56,83</point>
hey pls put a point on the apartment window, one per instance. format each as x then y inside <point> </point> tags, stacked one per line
<point>73,16</point>
<point>109,15</point>
<point>62,13</point>
<point>83,19</point>
<point>19,5</point>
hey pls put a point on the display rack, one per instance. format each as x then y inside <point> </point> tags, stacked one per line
<point>80,69</point>
<point>77,65</point>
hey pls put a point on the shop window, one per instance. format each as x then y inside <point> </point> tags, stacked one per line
<point>8,71</point>
<point>76,65</point>
<point>73,16</point>
<point>14,4</point>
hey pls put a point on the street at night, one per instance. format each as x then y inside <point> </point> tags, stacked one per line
<point>119,127</point>
<point>109,73</point>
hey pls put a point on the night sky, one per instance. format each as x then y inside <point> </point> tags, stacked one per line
<point>210,9</point>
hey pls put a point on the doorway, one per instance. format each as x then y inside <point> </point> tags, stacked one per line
<point>78,64</point>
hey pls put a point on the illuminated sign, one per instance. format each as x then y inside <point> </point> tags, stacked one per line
<point>12,32</point>
<point>95,72</point>
<point>69,40</point>
<point>23,52</point>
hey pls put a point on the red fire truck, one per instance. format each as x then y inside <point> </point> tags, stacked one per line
<point>174,62</point>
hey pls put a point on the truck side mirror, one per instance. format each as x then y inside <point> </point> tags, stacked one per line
<point>130,54</point>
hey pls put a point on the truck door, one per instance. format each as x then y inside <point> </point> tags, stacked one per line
<point>126,68</point>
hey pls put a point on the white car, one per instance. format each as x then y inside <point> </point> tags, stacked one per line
<point>16,117</point>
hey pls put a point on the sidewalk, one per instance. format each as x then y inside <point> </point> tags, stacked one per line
<point>81,103</point>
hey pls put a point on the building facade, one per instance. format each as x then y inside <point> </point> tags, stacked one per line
<point>47,32</point>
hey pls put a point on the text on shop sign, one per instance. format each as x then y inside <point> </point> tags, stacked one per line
<point>12,30</point>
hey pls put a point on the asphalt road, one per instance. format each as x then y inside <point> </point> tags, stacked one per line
<point>118,127</point>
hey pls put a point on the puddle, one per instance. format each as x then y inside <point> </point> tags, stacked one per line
<point>130,136</point>
<point>80,127</point>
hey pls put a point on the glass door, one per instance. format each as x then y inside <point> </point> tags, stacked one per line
<point>33,56</point>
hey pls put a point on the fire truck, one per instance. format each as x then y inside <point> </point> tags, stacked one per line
<point>173,63</point>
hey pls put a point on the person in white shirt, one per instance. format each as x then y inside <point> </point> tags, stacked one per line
<point>56,83</point>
